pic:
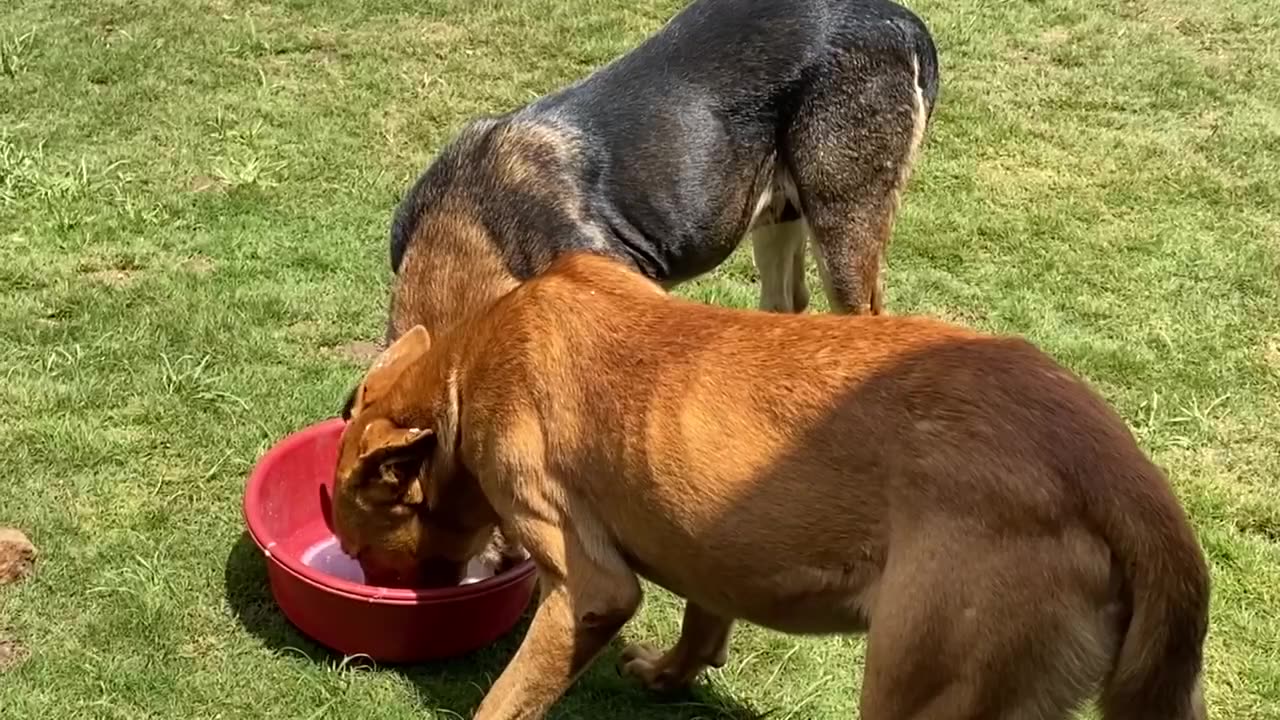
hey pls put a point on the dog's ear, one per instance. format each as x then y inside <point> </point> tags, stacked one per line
<point>383,440</point>
<point>387,368</point>
<point>391,457</point>
<point>349,406</point>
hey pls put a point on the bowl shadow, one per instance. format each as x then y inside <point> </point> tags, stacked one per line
<point>458,684</point>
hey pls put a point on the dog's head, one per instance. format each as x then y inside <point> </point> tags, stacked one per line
<point>401,505</point>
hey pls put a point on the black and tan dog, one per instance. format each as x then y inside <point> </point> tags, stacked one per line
<point>779,119</point>
<point>966,500</point>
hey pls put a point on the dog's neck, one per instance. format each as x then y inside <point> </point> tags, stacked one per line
<point>501,202</point>
<point>450,272</point>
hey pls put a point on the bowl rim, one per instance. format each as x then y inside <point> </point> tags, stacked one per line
<point>255,523</point>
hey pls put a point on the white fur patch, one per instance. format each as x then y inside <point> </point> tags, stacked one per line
<point>775,196</point>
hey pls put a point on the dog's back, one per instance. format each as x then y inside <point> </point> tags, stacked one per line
<point>817,473</point>
<point>703,47</point>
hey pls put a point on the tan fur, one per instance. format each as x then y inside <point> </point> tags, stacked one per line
<point>451,266</point>
<point>875,222</point>
<point>526,151</point>
<point>972,505</point>
<point>524,147</point>
<point>451,272</point>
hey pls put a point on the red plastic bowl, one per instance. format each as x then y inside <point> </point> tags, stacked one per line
<point>285,508</point>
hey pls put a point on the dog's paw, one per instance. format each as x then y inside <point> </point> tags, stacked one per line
<point>647,665</point>
<point>640,661</point>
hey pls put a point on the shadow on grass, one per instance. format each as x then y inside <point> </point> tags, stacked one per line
<point>458,685</point>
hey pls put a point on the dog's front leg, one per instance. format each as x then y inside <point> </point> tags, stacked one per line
<point>586,599</point>
<point>703,643</point>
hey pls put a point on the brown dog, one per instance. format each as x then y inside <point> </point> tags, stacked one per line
<point>972,504</point>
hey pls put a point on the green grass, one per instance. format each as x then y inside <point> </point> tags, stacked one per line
<point>194,201</point>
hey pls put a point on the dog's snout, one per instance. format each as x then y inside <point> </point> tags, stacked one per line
<point>350,549</point>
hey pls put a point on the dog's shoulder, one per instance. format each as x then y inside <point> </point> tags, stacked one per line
<point>520,176</point>
<point>486,156</point>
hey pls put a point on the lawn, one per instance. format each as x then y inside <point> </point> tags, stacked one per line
<point>194,204</point>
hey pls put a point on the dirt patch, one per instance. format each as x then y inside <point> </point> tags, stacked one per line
<point>12,652</point>
<point>358,351</point>
<point>117,270</point>
<point>17,556</point>
<point>1271,353</point>
<point>113,278</point>
<point>1055,37</point>
<point>1256,517</point>
<point>198,264</point>
<point>205,183</point>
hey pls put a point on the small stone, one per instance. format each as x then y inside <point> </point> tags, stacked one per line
<point>17,556</point>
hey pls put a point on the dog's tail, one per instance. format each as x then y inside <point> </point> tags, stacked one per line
<point>917,40</point>
<point>927,57</point>
<point>1157,671</point>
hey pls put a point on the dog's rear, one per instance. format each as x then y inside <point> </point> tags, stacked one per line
<point>1156,652</point>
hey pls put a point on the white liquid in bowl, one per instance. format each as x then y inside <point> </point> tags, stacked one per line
<point>327,557</point>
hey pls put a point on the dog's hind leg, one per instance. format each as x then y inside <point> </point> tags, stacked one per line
<point>779,254</point>
<point>850,150</point>
<point>703,643</point>
<point>1024,633</point>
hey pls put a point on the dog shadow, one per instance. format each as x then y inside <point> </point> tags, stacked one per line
<point>459,684</point>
